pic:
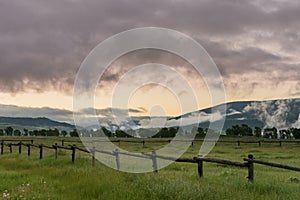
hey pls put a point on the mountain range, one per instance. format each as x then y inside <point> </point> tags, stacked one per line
<point>281,114</point>
<point>33,123</point>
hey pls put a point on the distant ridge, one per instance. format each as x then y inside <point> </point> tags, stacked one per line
<point>33,123</point>
<point>282,113</point>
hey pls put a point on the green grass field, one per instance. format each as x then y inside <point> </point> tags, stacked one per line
<point>23,177</point>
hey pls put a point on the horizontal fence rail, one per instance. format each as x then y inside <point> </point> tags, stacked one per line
<point>248,162</point>
<point>239,142</point>
<point>273,164</point>
<point>280,142</point>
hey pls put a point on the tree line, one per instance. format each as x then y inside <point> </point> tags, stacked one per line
<point>10,131</point>
<point>272,133</point>
<point>235,130</point>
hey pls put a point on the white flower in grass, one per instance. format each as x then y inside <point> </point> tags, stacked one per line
<point>5,194</point>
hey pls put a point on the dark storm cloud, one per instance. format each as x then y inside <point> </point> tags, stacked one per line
<point>42,43</point>
<point>140,57</point>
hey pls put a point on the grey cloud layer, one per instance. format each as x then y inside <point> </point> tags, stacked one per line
<point>52,113</point>
<point>42,43</point>
<point>62,114</point>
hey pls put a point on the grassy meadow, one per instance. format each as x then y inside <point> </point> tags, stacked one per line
<point>23,177</point>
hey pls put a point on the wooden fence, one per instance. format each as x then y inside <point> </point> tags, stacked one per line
<point>238,142</point>
<point>248,162</point>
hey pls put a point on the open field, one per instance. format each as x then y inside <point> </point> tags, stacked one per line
<point>23,177</point>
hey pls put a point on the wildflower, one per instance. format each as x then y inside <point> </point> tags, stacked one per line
<point>6,194</point>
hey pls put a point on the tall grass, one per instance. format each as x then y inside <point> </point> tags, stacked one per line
<point>23,177</point>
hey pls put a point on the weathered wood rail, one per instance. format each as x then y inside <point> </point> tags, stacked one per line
<point>237,141</point>
<point>272,164</point>
<point>199,160</point>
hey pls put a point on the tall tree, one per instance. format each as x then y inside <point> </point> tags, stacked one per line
<point>17,132</point>
<point>246,130</point>
<point>74,133</point>
<point>64,133</point>
<point>257,131</point>
<point>271,133</point>
<point>243,130</point>
<point>200,132</point>
<point>295,132</point>
<point>9,131</point>
<point>25,132</point>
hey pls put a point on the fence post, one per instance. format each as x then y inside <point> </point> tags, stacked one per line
<point>2,147</point>
<point>239,143</point>
<point>28,150</point>
<point>62,142</point>
<point>73,152</point>
<point>154,161</point>
<point>143,142</point>
<point>200,166</point>
<point>280,143</point>
<point>31,141</point>
<point>10,148</point>
<point>20,147</point>
<point>41,151</point>
<point>55,149</point>
<point>116,152</point>
<point>250,168</point>
<point>93,156</point>
<point>259,143</point>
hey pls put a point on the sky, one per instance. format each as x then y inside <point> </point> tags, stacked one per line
<point>255,45</point>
